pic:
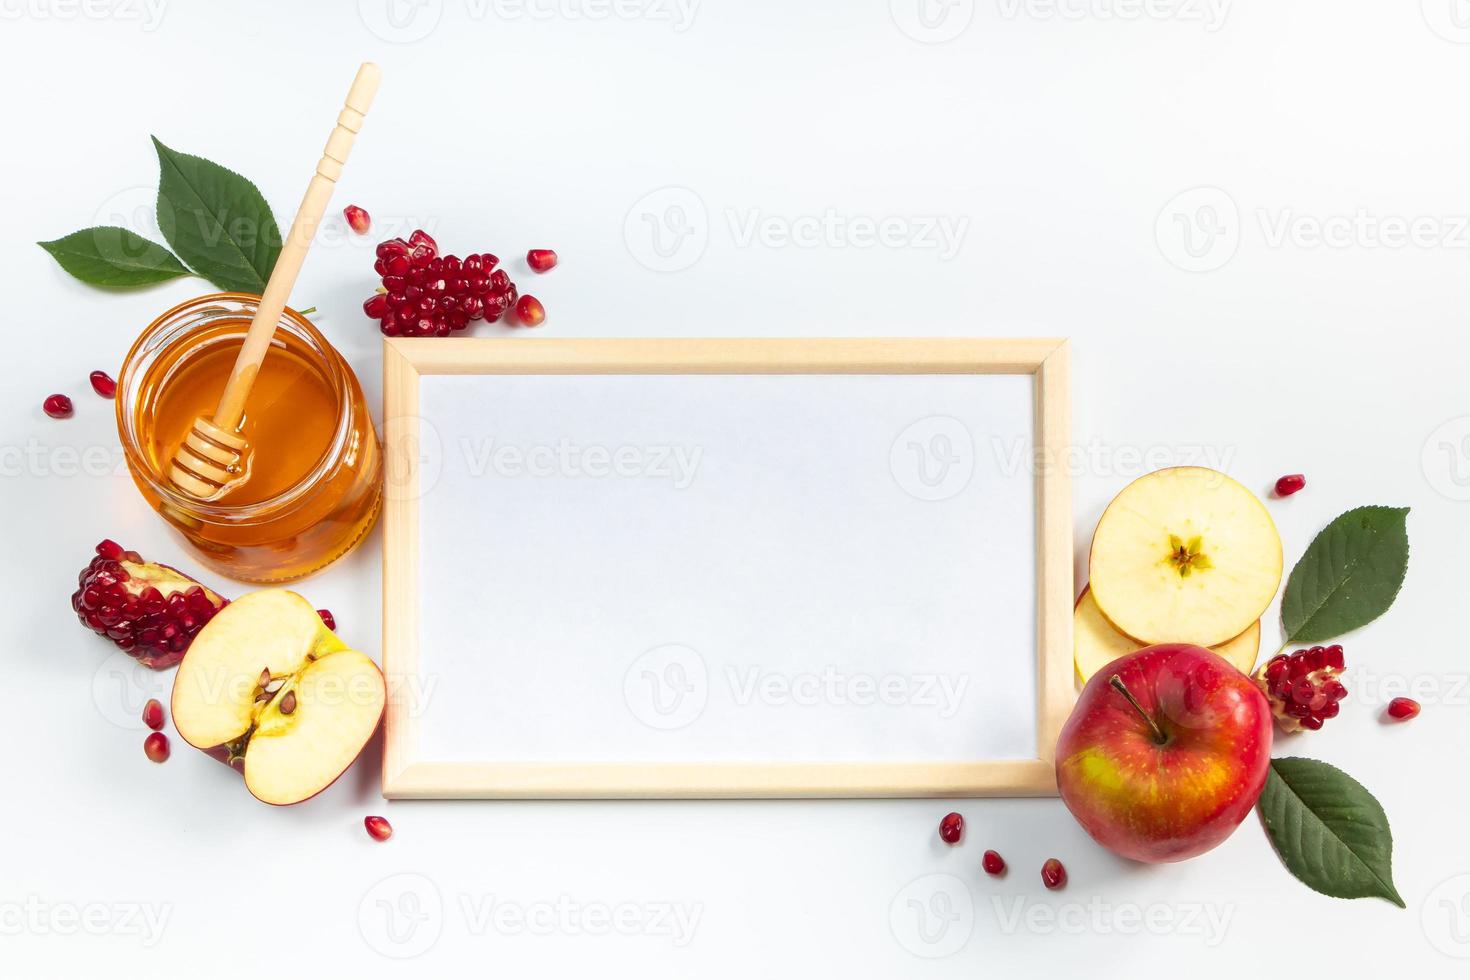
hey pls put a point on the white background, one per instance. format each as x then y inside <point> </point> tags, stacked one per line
<point>1208,325</point>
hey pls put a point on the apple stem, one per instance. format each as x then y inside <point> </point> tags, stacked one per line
<point>1117,684</point>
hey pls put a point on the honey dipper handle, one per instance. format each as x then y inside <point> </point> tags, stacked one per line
<point>293,251</point>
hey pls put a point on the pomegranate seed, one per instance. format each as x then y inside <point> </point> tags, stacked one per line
<point>153,714</point>
<point>103,384</point>
<point>1290,484</point>
<point>993,863</point>
<point>1053,875</point>
<point>326,615</point>
<point>530,311</point>
<point>1402,709</point>
<point>951,828</point>
<point>57,406</point>
<point>541,259</point>
<point>357,218</point>
<point>426,294</point>
<point>155,747</point>
<point>1303,689</point>
<point>378,828</point>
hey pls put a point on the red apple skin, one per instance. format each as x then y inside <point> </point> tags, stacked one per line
<point>1158,803</point>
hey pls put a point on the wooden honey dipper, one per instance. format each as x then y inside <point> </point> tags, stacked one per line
<point>212,456</point>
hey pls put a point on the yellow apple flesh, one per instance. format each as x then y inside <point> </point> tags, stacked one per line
<point>1097,642</point>
<point>1185,555</point>
<point>269,689</point>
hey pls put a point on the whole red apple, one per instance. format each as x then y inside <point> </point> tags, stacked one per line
<point>1165,753</point>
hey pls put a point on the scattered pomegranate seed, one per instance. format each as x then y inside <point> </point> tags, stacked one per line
<point>541,259</point>
<point>326,615</point>
<point>57,406</point>
<point>951,828</point>
<point>155,747</point>
<point>1053,875</point>
<point>378,828</point>
<point>1290,484</point>
<point>1402,709</point>
<point>530,311</point>
<point>357,218</point>
<point>103,384</point>
<point>993,863</point>
<point>153,714</point>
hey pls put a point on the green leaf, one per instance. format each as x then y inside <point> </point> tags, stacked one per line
<point>1349,575</point>
<point>216,220</point>
<point>1330,831</point>
<point>106,256</point>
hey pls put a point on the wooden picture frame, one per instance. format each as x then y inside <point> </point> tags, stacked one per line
<point>406,775</point>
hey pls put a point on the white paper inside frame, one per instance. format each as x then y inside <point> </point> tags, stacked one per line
<point>683,568</point>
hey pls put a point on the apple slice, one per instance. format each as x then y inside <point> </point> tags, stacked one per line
<point>1097,642</point>
<point>270,690</point>
<point>1185,555</point>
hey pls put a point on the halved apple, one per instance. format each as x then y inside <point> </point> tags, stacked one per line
<point>271,691</point>
<point>1097,642</point>
<point>1185,555</point>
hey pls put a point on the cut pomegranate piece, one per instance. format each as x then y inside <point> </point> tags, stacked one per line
<point>326,615</point>
<point>155,747</point>
<point>57,406</point>
<point>1303,688</point>
<point>151,611</point>
<point>1053,874</point>
<point>951,828</point>
<point>103,384</point>
<point>429,295</point>
<point>357,219</point>
<point>378,828</point>
<point>530,311</point>
<point>993,863</point>
<point>541,259</point>
<point>153,714</point>
<point>1290,484</point>
<point>1402,709</point>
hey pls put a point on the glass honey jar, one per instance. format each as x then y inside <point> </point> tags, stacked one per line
<point>311,484</point>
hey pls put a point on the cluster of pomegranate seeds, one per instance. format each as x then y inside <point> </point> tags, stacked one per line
<point>57,406</point>
<point>1303,688</point>
<point>993,863</point>
<point>1290,484</point>
<point>357,219</point>
<point>540,259</point>
<point>155,747</point>
<point>1402,709</point>
<point>103,384</point>
<point>153,714</point>
<point>951,828</point>
<point>429,295</point>
<point>151,611</point>
<point>378,828</point>
<point>1053,875</point>
<point>328,618</point>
